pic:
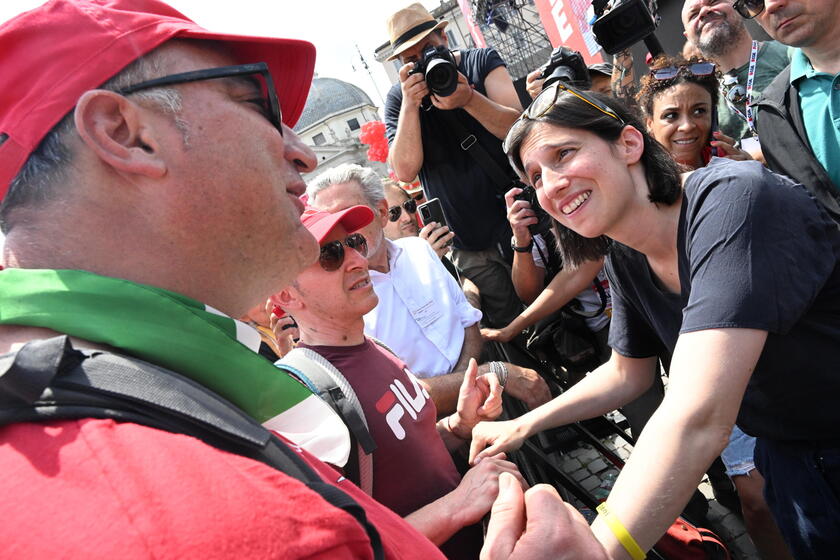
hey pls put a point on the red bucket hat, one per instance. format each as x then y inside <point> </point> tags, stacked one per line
<point>54,53</point>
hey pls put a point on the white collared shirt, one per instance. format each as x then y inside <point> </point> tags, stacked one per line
<point>422,312</point>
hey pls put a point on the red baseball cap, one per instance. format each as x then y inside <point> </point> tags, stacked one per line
<point>54,53</point>
<point>320,223</point>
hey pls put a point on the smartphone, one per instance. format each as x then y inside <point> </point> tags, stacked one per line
<point>432,211</point>
<point>713,130</point>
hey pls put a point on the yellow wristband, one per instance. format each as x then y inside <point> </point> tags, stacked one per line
<point>621,533</point>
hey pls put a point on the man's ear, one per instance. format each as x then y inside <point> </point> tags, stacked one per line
<point>115,129</point>
<point>288,299</point>
<point>631,144</point>
<point>381,212</point>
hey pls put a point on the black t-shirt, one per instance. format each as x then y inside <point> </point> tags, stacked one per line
<point>755,251</point>
<point>471,199</point>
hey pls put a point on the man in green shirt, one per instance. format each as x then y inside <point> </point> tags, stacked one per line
<point>720,35</point>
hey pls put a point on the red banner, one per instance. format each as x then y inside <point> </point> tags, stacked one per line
<point>475,32</point>
<point>566,22</point>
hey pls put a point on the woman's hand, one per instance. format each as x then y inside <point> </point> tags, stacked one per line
<point>726,147</point>
<point>496,437</point>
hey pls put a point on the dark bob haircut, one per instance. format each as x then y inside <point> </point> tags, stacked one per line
<point>661,171</point>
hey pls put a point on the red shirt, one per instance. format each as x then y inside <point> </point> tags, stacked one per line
<point>102,489</point>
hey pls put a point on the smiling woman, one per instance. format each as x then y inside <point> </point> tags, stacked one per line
<point>693,287</point>
<point>679,98</point>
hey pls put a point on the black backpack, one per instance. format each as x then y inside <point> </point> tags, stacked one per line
<point>50,380</point>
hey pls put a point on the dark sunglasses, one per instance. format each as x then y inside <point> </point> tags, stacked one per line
<point>695,69</point>
<point>543,103</point>
<point>748,8</point>
<point>271,105</point>
<point>332,254</point>
<point>394,212</point>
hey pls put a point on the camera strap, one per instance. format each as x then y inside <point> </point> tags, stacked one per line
<point>470,144</point>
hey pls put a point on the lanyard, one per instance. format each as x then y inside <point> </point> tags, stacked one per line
<point>750,116</point>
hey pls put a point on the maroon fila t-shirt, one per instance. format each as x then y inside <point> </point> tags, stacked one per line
<point>411,465</point>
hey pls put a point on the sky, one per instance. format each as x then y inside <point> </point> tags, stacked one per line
<point>334,26</point>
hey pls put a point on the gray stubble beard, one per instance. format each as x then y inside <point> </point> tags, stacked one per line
<point>721,40</point>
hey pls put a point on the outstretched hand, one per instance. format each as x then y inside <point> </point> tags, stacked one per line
<point>489,438</point>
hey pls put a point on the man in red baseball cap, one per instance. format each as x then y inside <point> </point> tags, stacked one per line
<point>150,184</point>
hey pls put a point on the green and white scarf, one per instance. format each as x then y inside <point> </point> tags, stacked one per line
<point>180,334</point>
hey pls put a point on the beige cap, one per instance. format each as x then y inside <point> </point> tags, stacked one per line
<point>409,26</point>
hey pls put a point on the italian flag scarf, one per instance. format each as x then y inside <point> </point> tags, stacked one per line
<point>180,334</point>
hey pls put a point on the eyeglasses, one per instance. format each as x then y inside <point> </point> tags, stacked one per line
<point>394,212</point>
<point>270,103</point>
<point>695,69</point>
<point>748,8</point>
<point>544,102</point>
<point>332,254</point>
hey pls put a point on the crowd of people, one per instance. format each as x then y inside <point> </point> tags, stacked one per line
<point>155,216</point>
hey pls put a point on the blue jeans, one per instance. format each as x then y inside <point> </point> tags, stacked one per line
<point>802,489</point>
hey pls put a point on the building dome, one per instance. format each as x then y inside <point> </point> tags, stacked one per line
<point>327,97</point>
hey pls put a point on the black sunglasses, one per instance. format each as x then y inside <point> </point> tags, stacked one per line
<point>332,254</point>
<point>394,212</point>
<point>698,69</point>
<point>271,105</point>
<point>748,8</point>
<point>543,103</point>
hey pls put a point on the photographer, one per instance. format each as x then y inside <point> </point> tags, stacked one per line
<point>441,136</point>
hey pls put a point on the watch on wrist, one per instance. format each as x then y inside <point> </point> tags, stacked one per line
<point>526,249</point>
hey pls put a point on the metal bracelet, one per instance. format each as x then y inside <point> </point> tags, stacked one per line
<point>500,369</point>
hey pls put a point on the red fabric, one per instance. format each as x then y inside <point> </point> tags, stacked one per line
<point>97,39</point>
<point>411,465</point>
<point>101,489</point>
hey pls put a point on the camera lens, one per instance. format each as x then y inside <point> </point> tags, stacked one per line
<point>441,77</point>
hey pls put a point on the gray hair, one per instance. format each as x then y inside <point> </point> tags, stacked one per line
<point>45,170</point>
<point>367,179</point>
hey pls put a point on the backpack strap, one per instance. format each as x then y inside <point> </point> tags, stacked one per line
<point>327,382</point>
<point>49,380</point>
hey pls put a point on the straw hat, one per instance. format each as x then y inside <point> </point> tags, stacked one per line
<point>409,26</point>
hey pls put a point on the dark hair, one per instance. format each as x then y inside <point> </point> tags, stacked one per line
<point>651,88</point>
<point>661,171</point>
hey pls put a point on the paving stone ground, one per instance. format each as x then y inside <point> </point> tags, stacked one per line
<point>586,465</point>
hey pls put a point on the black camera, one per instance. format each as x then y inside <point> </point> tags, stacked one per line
<point>567,65</point>
<point>626,23</point>
<point>437,64</point>
<point>543,224</point>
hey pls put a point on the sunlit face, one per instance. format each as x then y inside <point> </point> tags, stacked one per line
<point>712,25</point>
<point>406,225</point>
<point>238,181</point>
<point>336,296</point>
<point>579,178</point>
<point>801,23</point>
<point>412,54</point>
<point>681,120</point>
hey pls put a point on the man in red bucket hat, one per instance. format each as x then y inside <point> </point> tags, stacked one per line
<point>150,184</point>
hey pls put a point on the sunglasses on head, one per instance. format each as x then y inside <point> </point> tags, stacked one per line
<point>394,212</point>
<point>748,9</point>
<point>546,100</point>
<point>695,69</point>
<point>332,253</point>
